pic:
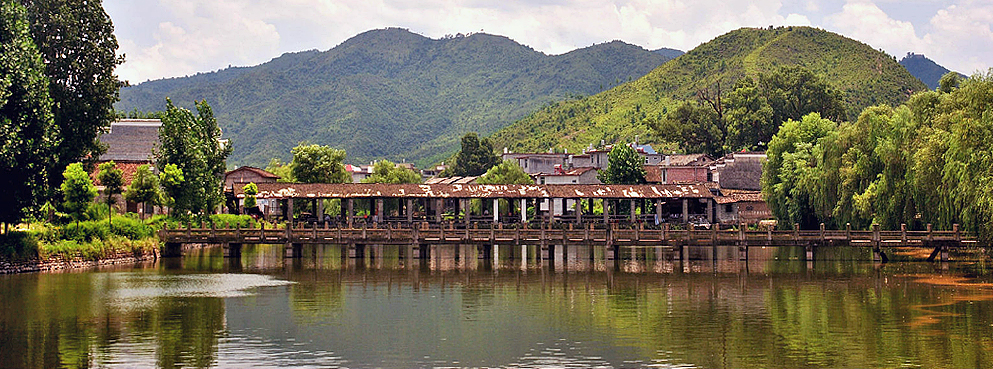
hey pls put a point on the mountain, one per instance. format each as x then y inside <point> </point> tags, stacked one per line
<point>390,93</point>
<point>865,75</point>
<point>924,69</point>
<point>669,53</point>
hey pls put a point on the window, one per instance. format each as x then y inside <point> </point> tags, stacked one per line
<point>728,208</point>
<point>749,208</point>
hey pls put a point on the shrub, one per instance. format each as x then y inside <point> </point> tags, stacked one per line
<point>231,220</point>
<point>18,245</point>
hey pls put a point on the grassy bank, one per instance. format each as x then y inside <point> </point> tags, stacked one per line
<point>95,239</point>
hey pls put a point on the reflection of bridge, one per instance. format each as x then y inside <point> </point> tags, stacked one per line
<point>611,236</point>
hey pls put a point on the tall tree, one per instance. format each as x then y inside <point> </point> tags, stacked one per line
<point>193,143</point>
<point>795,91</point>
<point>789,176</point>
<point>173,181</point>
<point>749,116</point>
<point>77,42</point>
<point>28,133</point>
<point>319,164</point>
<point>624,166</point>
<point>77,191</point>
<point>475,158</point>
<point>113,183</point>
<point>384,171</point>
<point>144,188</point>
<point>694,127</point>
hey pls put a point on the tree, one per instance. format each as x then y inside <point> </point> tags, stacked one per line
<point>475,158</point>
<point>624,166</point>
<point>789,179</point>
<point>144,188</point>
<point>193,143</point>
<point>113,183</point>
<point>284,171</point>
<point>507,172</point>
<point>694,127</point>
<point>76,39</point>
<point>77,191</point>
<point>28,134</point>
<point>385,171</point>
<point>319,164</point>
<point>948,82</point>
<point>794,91</point>
<point>251,189</point>
<point>172,180</point>
<point>749,116</point>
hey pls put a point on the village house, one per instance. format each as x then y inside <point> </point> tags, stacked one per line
<point>689,168</point>
<point>130,144</point>
<point>739,179</point>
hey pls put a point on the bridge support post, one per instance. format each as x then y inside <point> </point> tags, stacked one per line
<point>877,251</point>
<point>232,249</point>
<point>292,250</point>
<point>172,249</point>
<point>742,243</point>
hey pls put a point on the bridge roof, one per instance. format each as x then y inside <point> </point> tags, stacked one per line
<point>420,191</point>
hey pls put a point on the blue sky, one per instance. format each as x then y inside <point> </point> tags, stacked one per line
<point>170,38</point>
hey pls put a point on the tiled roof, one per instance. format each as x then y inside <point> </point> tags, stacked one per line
<point>260,172</point>
<point>451,180</point>
<point>362,190</point>
<point>131,139</point>
<point>743,174</point>
<point>571,172</point>
<point>733,196</point>
<point>128,168</point>
<point>653,174</point>
<point>689,159</point>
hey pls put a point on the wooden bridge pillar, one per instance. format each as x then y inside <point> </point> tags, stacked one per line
<point>292,250</point>
<point>877,251</point>
<point>742,242</point>
<point>349,211</point>
<point>686,211</point>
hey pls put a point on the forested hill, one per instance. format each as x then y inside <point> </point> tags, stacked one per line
<point>865,75</point>
<point>924,69</point>
<point>391,93</point>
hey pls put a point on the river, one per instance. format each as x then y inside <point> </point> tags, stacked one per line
<point>327,310</point>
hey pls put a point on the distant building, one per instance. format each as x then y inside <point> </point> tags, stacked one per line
<point>358,172</point>
<point>130,144</point>
<point>739,179</point>
<point>245,175</point>
<point>691,168</point>
<point>433,171</point>
<point>586,175</point>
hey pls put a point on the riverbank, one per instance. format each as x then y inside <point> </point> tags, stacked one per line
<point>61,263</point>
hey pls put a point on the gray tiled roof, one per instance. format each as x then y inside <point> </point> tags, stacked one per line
<point>131,139</point>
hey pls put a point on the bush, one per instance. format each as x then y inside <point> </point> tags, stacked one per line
<point>98,230</point>
<point>231,220</point>
<point>18,245</point>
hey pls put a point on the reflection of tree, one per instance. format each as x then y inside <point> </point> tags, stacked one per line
<point>186,331</point>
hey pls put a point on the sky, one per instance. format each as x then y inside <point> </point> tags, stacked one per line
<point>175,38</point>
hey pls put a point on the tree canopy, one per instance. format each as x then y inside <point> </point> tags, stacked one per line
<point>192,142</point>
<point>319,164</point>
<point>507,172</point>
<point>926,161</point>
<point>144,188</point>
<point>77,191</point>
<point>475,158</point>
<point>29,135</point>
<point>76,39</point>
<point>384,171</point>
<point>624,166</point>
<point>112,181</point>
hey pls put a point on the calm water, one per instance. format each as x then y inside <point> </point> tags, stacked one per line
<point>455,310</point>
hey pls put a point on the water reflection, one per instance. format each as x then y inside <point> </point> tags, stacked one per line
<point>579,307</point>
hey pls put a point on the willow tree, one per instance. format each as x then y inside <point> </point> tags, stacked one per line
<point>29,135</point>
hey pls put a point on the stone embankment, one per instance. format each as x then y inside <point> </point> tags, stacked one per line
<point>59,263</point>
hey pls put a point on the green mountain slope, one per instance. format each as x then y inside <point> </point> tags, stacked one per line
<point>865,75</point>
<point>391,93</point>
<point>924,69</point>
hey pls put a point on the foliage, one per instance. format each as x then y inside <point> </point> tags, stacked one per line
<point>28,134</point>
<point>948,82</point>
<point>193,143</point>
<point>76,39</point>
<point>927,161</point>
<point>392,94</point>
<point>232,221</point>
<point>319,164</point>
<point>77,190</point>
<point>475,158</point>
<point>144,188</point>
<point>284,171</point>
<point>385,171</point>
<point>112,180</point>
<point>507,172</point>
<point>695,127</point>
<point>624,166</point>
<point>250,191</point>
<point>172,181</point>
<point>863,76</point>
